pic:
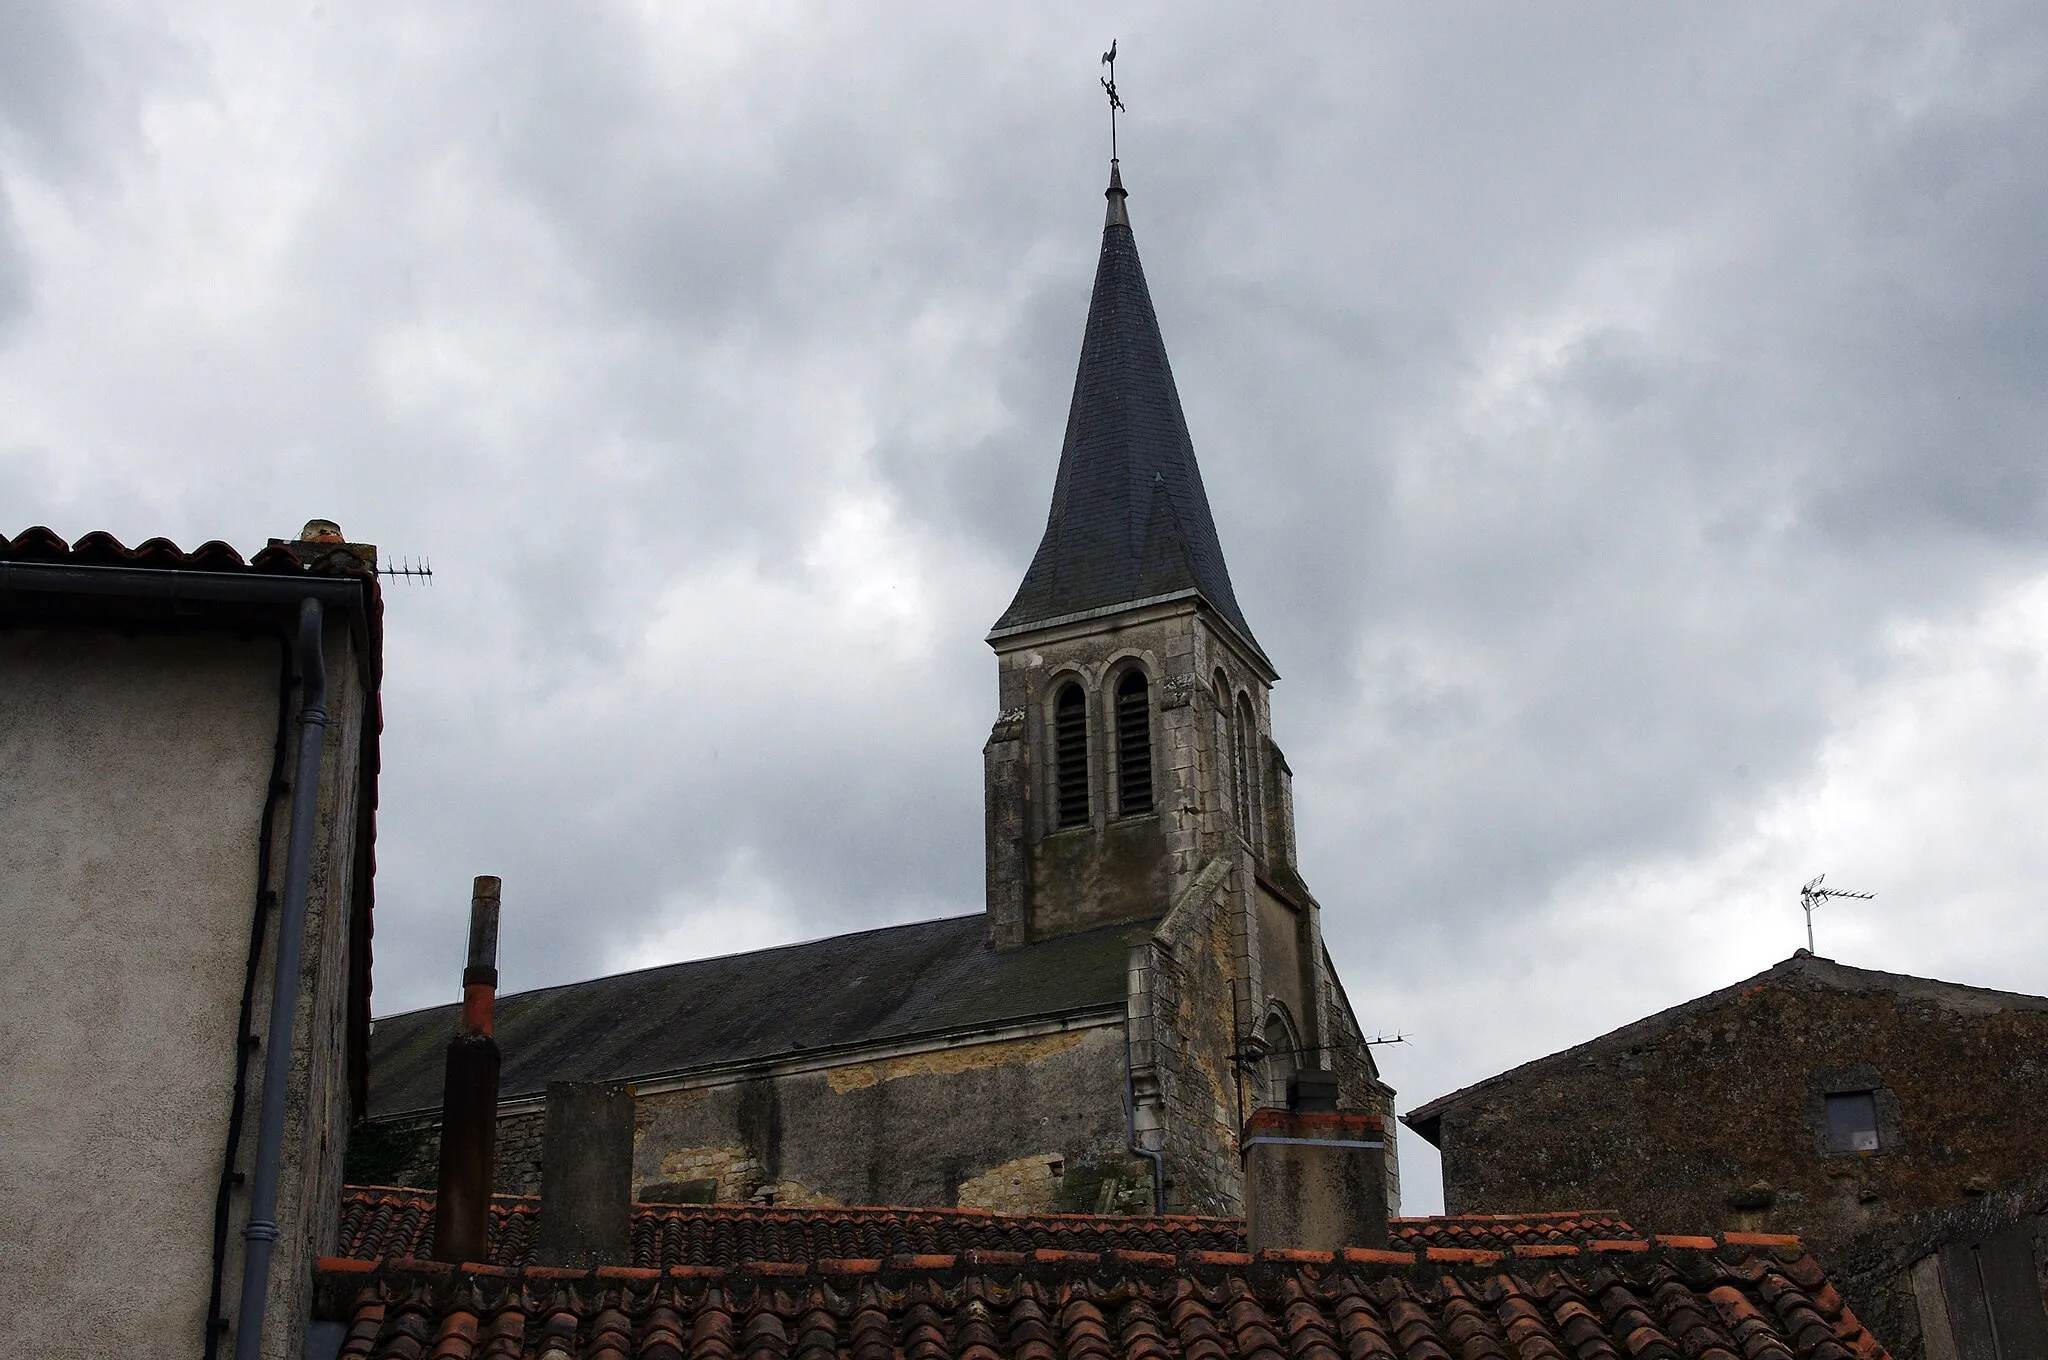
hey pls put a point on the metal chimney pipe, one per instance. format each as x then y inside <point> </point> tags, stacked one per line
<point>469,1095</point>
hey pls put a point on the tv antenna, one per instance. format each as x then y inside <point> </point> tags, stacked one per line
<point>1109,88</point>
<point>410,571</point>
<point>1813,895</point>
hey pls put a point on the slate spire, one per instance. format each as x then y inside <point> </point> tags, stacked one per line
<point>1129,520</point>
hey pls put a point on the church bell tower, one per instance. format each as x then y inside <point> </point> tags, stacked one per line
<point>1132,762</point>
<point>1132,780</point>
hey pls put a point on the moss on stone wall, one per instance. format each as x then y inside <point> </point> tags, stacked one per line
<point>392,1154</point>
<point>1717,1120</point>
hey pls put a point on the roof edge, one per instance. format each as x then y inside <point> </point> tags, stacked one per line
<point>1254,653</point>
<point>819,1058</point>
<point>1433,1110</point>
<point>1825,971</point>
<point>686,963</point>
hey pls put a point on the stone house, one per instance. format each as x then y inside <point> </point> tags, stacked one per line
<point>1962,1282</point>
<point>1814,1098</point>
<point>181,806</point>
<point>1148,970</point>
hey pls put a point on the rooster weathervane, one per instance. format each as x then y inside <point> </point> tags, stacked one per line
<point>1109,88</point>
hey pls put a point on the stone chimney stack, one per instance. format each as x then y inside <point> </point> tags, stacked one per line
<point>469,1095</point>
<point>1314,1178</point>
<point>586,1175</point>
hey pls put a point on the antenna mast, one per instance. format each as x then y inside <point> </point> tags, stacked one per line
<point>1813,896</point>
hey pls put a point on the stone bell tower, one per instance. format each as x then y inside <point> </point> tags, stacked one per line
<point>1131,776</point>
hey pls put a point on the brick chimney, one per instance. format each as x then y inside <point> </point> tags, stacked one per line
<point>586,1175</point>
<point>469,1095</point>
<point>1314,1178</point>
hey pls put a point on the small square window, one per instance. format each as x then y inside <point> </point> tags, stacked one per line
<point>1852,1121</point>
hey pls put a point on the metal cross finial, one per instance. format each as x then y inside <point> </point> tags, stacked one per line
<point>1109,88</point>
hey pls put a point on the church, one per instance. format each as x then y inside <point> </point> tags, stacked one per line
<point>1149,970</point>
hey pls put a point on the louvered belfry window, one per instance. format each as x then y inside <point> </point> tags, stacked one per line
<point>1133,745</point>
<point>1070,756</point>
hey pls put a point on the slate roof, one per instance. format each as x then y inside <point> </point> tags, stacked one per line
<point>394,1222</point>
<point>1736,1297</point>
<point>927,978</point>
<point>1801,970</point>
<point>1129,520</point>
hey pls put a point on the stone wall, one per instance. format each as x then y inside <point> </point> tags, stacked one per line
<point>976,1124</point>
<point>1876,1271</point>
<point>1026,1124</point>
<point>1195,958</point>
<point>1716,1121</point>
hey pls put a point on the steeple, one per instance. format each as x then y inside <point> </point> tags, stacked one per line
<point>1130,523</point>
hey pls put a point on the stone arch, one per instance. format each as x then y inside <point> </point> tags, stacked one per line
<point>1279,1053</point>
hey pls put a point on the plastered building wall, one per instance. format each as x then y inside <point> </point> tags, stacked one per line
<point>137,775</point>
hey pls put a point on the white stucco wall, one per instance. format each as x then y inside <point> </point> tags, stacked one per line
<point>135,778</point>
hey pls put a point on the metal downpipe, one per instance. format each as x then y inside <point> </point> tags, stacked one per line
<point>261,1234</point>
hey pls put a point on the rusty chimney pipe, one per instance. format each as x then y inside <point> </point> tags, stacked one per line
<point>469,1095</point>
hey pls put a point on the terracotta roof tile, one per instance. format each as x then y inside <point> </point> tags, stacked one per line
<point>102,549</point>
<point>1712,1298</point>
<point>387,1221</point>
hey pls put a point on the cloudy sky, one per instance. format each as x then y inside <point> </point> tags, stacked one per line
<point>1625,424</point>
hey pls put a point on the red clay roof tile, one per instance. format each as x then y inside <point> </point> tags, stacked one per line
<point>1737,1297</point>
<point>382,1220</point>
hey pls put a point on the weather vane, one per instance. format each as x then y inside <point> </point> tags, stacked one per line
<point>1109,88</point>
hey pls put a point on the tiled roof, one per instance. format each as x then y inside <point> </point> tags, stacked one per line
<point>1500,1232</point>
<point>384,1221</point>
<point>379,1221</point>
<point>1732,1298</point>
<point>43,546</point>
<point>1129,519</point>
<point>926,978</point>
<point>102,549</point>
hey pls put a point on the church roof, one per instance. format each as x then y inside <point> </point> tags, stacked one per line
<point>929,977</point>
<point>1719,1298</point>
<point>1129,520</point>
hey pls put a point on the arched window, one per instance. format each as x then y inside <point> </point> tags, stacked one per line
<point>1281,1059</point>
<point>1133,744</point>
<point>1070,757</point>
<point>1244,741</point>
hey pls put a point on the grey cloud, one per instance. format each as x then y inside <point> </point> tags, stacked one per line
<point>1585,396</point>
